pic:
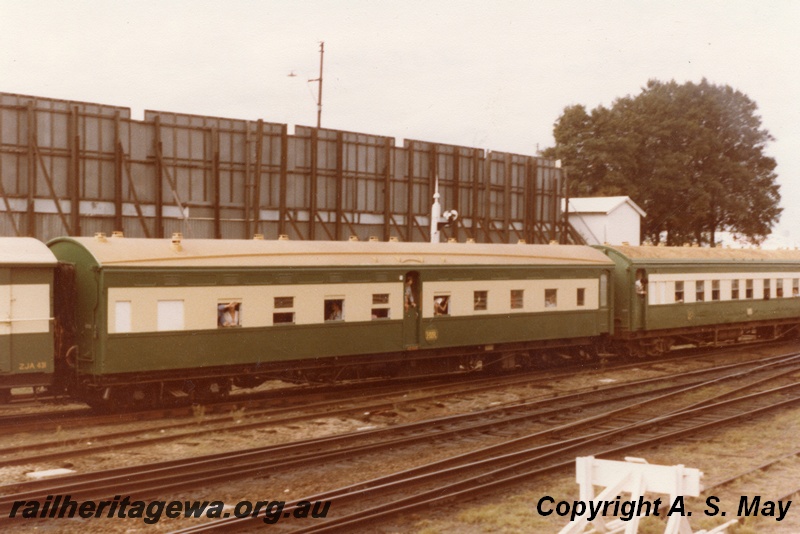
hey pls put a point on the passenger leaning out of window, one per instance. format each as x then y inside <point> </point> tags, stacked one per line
<point>641,284</point>
<point>228,314</point>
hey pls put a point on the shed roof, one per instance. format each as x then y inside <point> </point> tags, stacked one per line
<point>25,251</point>
<point>705,253</point>
<point>602,205</point>
<point>121,251</point>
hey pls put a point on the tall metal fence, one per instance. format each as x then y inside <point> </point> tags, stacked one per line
<point>76,168</point>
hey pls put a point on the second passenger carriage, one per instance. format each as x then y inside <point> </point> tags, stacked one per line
<point>692,295</point>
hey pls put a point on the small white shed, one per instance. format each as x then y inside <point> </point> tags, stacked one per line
<point>612,220</point>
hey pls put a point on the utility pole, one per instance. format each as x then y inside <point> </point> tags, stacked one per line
<point>319,80</point>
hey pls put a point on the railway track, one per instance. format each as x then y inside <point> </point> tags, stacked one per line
<point>617,409</point>
<point>469,476</point>
<point>260,417</point>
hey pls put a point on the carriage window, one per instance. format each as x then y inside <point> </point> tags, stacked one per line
<point>715,290</point>
<point>122,316</point>
<point>380,313</point>
<point>170,315</point>
<point>229,313</point>
<point>334,309</point>
<point>283,318</point>
<point>550,298</point>
<point>581,296</point>
<point>603,290</point>
<point>441,305</point>
<point>480,300</point>
<point>796,287</point>
<point>779,287</point>
<point>381,300</point>
<point>517,299</point>
<point>700,292</point>
<point>748,292</point>
<point>766,288</point>
<point>734,290</point>
<point>678,291</point>
<point>284,302</point>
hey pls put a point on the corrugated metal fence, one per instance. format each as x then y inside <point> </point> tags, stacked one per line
<point>227,178</point>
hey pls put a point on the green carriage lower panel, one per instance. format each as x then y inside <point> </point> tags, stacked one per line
<point>714,313</point>
<point>126,353</point>
<point>28,360</point>
<point>482,330</point>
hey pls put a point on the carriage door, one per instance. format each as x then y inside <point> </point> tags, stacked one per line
<point>5,321</point>
<point>639,308</point>
<point>412,291</point>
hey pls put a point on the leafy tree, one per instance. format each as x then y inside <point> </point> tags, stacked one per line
<point>691,155</point>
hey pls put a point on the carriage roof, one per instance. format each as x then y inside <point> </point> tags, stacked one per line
<point>133,252</point>
<point>24,251</point>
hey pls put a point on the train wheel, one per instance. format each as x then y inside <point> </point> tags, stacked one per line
<point>124,398</point>
<point>525,360</point>
<point>636,350</point>
<point>142,397</point>
<point>585,354</point>
<point>248,381</point>
<point>655,348</point>
<point>210,390</point>
<point>766,332</point>
<point>471,363</point>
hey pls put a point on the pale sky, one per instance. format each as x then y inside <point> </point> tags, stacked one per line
<point>494,75</point>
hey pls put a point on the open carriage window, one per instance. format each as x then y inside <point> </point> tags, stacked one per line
<point>334,310</point>
<point>581,297</point>
<point>550,298</point>
<point>229,313</point>
<point>679,291</point>
<point>641,282</point>
<point>441,305</point>
<point>380,305</point>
